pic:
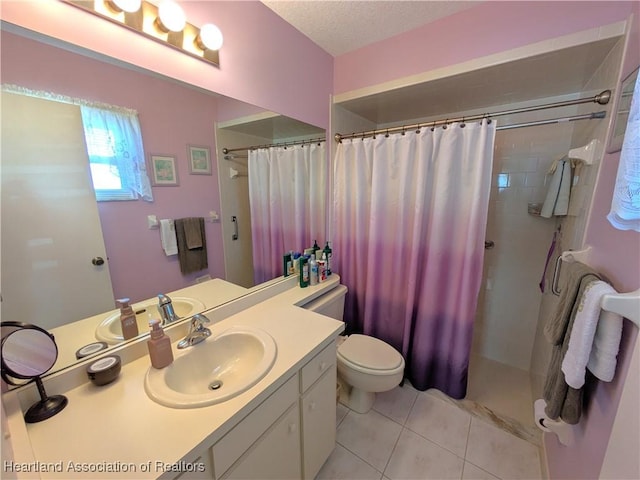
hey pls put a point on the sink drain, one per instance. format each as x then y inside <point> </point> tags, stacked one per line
<point>215,385</point>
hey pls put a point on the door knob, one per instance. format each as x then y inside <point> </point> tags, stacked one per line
<point>97,261</point>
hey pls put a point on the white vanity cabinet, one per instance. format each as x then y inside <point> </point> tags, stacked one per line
<point>290,434</point>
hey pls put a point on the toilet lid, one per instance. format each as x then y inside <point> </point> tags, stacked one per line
<point>369,352</point>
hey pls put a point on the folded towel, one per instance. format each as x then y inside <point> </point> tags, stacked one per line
<point>168,237</point>
<point>556,326</point>
<point>557,200</point>
<point>625,204</point>
<point>574,364</point>
<point>194,259</point>
<point>602,361</point>
<point>193,232</point>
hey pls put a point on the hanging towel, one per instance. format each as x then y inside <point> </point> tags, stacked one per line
<point>586,322</point>
<point>625,204</point>
<point>563,401</point>
<point>168,237</point>
<point>557,200</point>
<point>194,259</point>
<point>556,326</point>
<point>193,232</point>
<point>606,344</point>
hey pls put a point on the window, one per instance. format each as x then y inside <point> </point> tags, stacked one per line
<point>116,155</point>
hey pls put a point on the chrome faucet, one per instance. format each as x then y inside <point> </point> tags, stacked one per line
<point>197,331</point>
<point>165,308</point>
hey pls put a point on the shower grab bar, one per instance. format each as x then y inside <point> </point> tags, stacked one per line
<point>624,304</point>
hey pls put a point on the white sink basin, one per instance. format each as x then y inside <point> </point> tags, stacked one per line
<point>213,371</point>
<point>110,330</point>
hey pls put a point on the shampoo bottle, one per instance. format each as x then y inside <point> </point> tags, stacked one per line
<point>304,271</point>
<point>286,264</point>
<point>127,319</point>
<point>313,269</point>
<point>159,346</point>
<point>326,252</point>
<point>315,249</point>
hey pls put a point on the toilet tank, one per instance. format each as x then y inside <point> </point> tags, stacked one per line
<point>330,304</point>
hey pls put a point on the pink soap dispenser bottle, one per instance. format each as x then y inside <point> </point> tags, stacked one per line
<point>159,346</point>
<point>128,320</point>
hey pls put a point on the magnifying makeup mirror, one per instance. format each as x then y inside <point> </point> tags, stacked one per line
<point>27,353</point>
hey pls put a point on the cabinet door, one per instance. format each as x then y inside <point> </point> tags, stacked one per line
<point>275,455</point>
<point>319,423</point>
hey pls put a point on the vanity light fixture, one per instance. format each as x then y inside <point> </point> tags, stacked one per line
<point>165,23</point>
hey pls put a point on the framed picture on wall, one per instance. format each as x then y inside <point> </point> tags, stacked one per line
<point>164,172</point>
<point>199,160</point>
<point>622,108</point>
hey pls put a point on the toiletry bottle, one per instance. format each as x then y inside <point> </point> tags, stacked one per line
<point>315,249</point>
<point>292,268</point>
<point>322,271</point>
<point>296,263</point>
<point>159,346</point>
<point>286,264</point>
<point>326,252</point>
<point>127,319</point>
<point>313,270</point>
<point>304,271</point>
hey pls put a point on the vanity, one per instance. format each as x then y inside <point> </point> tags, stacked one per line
<point>281,427</point>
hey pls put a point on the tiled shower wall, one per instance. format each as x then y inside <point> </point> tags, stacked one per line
<point>507,314</point>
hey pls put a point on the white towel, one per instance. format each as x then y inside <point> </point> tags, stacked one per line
<point>625,204</point>
<point>557,201</point>
<point>606,344</point>
<point>168,237</point>
<point>585,322</point>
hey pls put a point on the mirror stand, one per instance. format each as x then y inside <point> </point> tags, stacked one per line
<point>28,352</point>
<point>47,406</point>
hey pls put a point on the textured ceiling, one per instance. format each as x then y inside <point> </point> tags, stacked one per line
<point>339,27</point>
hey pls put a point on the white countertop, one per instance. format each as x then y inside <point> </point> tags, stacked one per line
<point>118,425</point>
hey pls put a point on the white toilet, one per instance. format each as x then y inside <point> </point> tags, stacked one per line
<point>365,364</point>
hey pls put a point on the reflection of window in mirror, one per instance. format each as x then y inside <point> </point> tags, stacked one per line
<point>116,155</point>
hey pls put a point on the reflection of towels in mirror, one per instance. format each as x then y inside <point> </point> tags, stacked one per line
<point>193,232</point>
<point>557,201</point>
<point>191,259</point>
<point>168,237</point>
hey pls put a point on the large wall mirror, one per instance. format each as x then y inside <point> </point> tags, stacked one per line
<point>42,200</point>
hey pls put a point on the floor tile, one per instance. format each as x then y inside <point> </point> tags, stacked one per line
<point>501,453</point>
<point>344,465</point>
<point>371,436</point>
<point>396,404</point>
<point>415,457</point>
<point>471,472</point>
<point>440,421</point>
<point>341,412</point>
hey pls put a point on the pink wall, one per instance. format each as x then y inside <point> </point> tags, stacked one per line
<point>264,60</point>
<point>171,117</point>
<point>485,29</point>
<point>616,253</point>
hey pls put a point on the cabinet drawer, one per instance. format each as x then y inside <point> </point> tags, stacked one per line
<point>319,364</point>
<point>229,448</point>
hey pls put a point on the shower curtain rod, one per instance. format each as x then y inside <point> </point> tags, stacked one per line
<point>281,144</point>
<point>602,99</point>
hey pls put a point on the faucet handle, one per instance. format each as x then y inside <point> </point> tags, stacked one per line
<point>163,299</point>
<point>198,321</point>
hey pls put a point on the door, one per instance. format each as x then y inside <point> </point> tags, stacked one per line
<point>50,225</point>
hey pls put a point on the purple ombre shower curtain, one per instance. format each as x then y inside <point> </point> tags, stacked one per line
<point>410,214</point>
<point>287,197</point>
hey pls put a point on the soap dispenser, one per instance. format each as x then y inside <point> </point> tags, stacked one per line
<point>159,346</point>
<point>127,319</point>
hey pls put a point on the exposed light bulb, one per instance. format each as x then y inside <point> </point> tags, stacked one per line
<point>130,6</point>
<point>210,37</point>
<point>171,17</point>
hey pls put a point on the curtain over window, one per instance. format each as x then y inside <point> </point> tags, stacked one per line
<point>116,154</point>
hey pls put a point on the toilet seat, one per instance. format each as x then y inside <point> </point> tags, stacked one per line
<point>370,355</point>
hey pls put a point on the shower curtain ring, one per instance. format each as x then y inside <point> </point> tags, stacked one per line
<point>387,134</point>
<point>462,124</point>
<point>446,122</point>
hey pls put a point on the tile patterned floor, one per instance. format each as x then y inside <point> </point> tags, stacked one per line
<point>425,435</point>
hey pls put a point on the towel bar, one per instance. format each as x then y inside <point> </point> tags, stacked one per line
<point>625,304</point>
